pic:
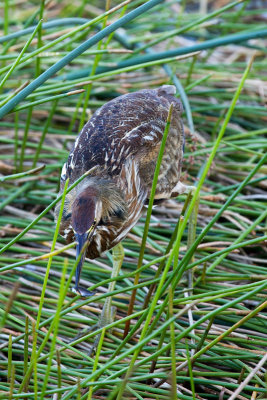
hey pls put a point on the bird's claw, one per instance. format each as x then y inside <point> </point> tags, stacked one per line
<point>85,332</point>
<point>82,291</point>
<point>101,324</point>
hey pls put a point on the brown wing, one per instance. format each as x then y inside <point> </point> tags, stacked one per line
<point>131,124</point>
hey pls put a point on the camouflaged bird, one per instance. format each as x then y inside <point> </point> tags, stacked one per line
<point>122,141</point>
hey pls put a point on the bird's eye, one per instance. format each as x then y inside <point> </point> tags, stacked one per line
<point>107,219</point>
<point>119,213</point>
<point>66,216</point>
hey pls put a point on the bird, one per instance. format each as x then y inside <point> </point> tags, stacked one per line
<point>121,143</point>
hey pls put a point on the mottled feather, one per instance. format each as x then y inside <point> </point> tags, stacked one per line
<point>122,139</point>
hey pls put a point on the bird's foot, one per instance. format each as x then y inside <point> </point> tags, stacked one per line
<point>104,320</point>
<point>101,324</point>
<point>80,291</point>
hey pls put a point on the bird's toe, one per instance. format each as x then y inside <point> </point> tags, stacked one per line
<point>82,292</point>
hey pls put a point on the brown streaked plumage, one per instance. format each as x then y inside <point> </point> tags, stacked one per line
<point>122,140</point>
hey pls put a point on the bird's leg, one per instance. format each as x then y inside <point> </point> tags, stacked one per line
<point>179,189</point>
<point>192,225</point>
<point>108,312</point>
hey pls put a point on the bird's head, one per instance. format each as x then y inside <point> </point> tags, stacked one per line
<point>86,213</point>
<point>88,205</point>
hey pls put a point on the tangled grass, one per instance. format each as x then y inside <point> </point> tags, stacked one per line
<point>198,327</point>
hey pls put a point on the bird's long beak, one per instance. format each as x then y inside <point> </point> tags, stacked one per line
<point>83,241</point>
<point>80,252</point>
